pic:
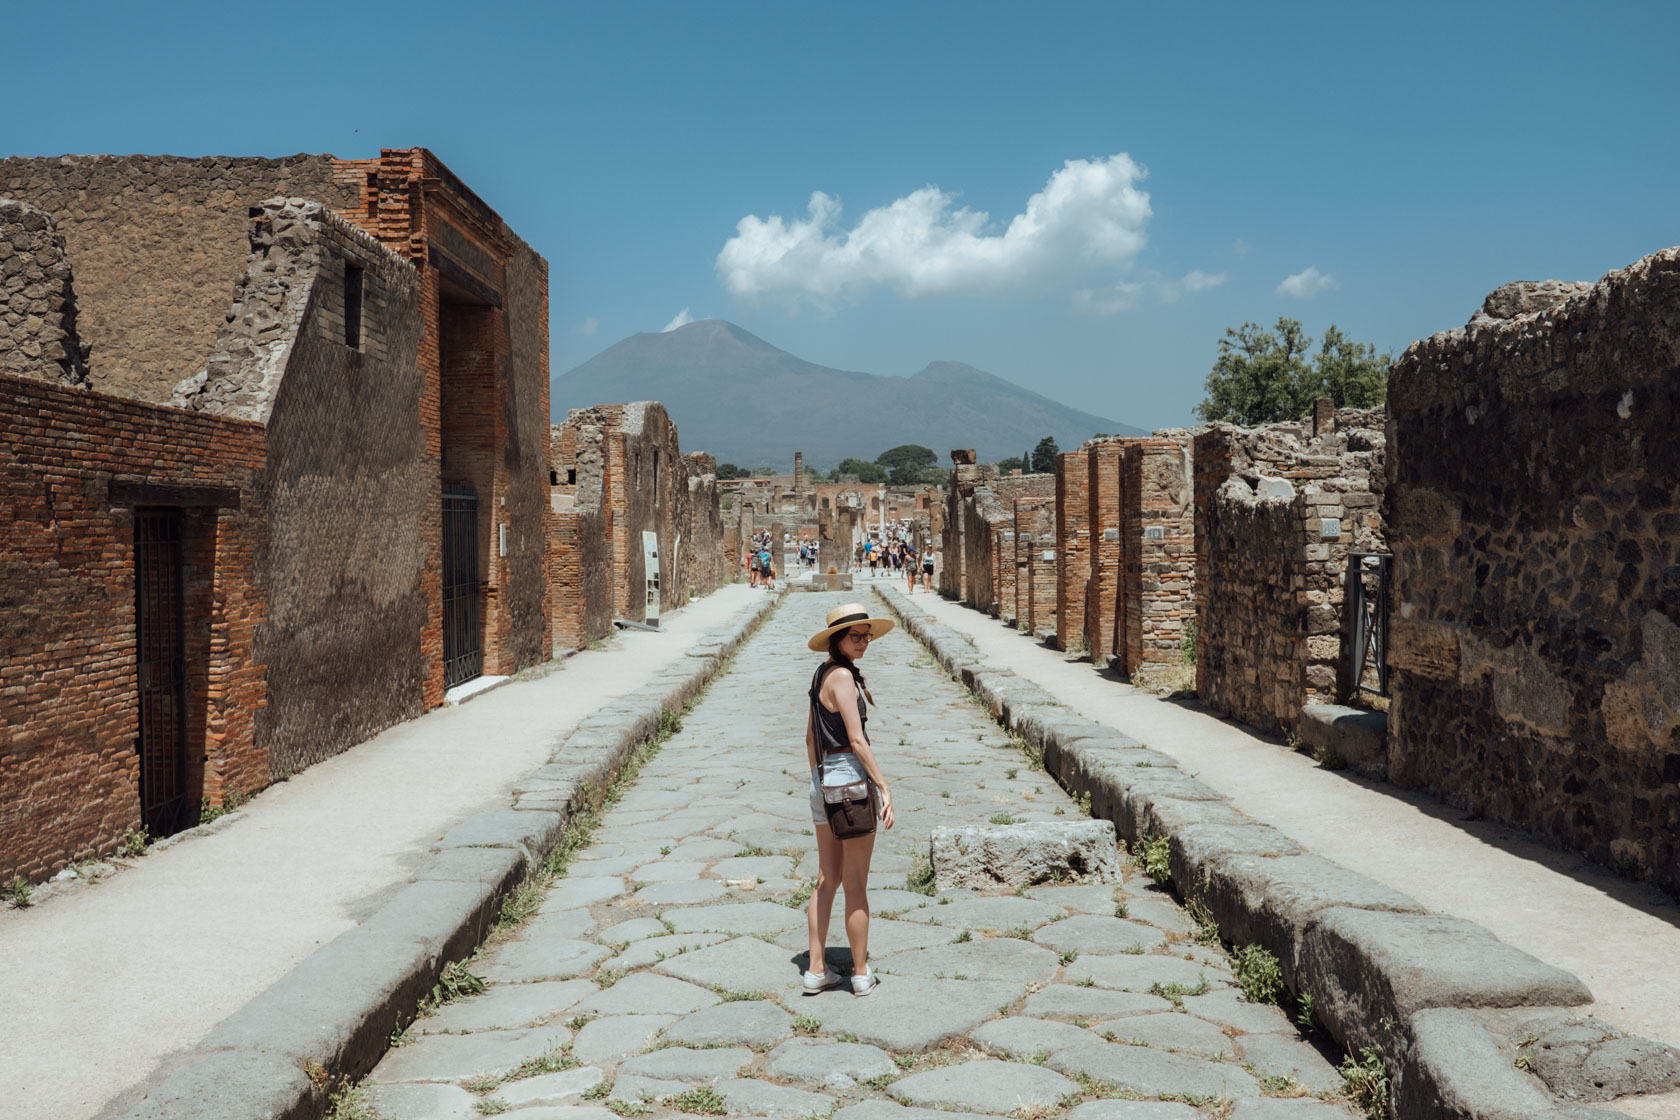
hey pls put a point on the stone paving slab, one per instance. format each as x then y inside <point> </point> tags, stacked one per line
<point>833,1065</point>
<point>744,964</point>
<point>1025,1037</point>
<point>998,958</point>
<point>744,917</point>
<point>1155,1072</point>
<point>995,1087</point>
<point>681,1063</point>
<point>565,1087</point>
<point>750,1097</point>
<point>421,1101</point>
<point>742,1022</point>
<point>506,1006</point>
<point>1068,1001</point>
<point>618,1037</point>
<point>461,1057</point>
<point>1184,1033</point>
<point>1096,934</point>
<point>907,1013</point>
<point>642,993</point>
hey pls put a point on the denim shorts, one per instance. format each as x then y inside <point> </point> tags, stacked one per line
<point>840,770</point>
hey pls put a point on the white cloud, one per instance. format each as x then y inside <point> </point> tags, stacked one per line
<point>680,319</point>
<point>1090,215</point>
<point>1124,295</point>
<point>1307,284</point>
<point>588,327</point>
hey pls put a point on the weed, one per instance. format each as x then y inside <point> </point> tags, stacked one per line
<point>920,876</point>
<point>665,851</point>
<point>1121,910</point>
<point>1002,818</point>
<point>16,892</point>
<point>880,1081</point>
<point>135,843</point>
<point>1088,982</point>
<point>490,1106</point>
<point>745,853</point>
<point>1011,772</point>
<point>805,1024</point>
<point>607,977</point>
<point>1176,992</point>
<point>554,1061</point>
<point>1153,855</point>
<point>483,1084</point>
<point>1259,974</point>
<point>1104,1090</point>
<point>1068,956</point>
<point>1060,811</point>
<point>1366,1081</point>
<point>945,793</point>
<point>578,1022</point>
<point>965,935</point>
<point>1085,803</point>
<point>351,1103</point>
<point>1207,929</point>
<point>597,1091</point>
<point>1328,757</point>
<point>628,1108</point>
<point>1305,1016</point>
<point>801,894</point>
<point>1037,1057</point>
<point>904,1061</point>
<point>456,980</point>
<point>1524,1061</point>
<point>740,997</point>
<point>670,722</point>
<point>1022,932</point>
<point>1277,1084</point>
<point>847,1036</point>
<point>702,1100</point>
<point>1187,645</point>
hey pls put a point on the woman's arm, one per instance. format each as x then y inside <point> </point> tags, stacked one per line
<point>811,740</point>
<point>845,699</point>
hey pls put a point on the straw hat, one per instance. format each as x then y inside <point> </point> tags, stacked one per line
<point>844,618</point>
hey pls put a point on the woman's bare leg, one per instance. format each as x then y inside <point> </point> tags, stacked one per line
<point>822,898</point>
<point>854,874</point>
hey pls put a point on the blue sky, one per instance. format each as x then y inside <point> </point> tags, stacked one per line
<point>1413,156</point>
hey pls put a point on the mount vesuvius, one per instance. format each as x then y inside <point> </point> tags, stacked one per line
<point>745,401</point>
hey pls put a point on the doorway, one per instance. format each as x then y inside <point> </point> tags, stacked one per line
<point>160,641</point>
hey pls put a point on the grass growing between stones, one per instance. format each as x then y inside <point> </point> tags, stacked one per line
<point>1152,854</point>
<point>920,876</point>
<point>17,893</point>
<point>351,1103</point>
<point>1175,993</point>
<point>1366,1081</point>
<point>702,1100</point>
<point>1258,973</point>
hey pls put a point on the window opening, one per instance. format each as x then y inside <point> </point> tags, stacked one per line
<point>353,306</point>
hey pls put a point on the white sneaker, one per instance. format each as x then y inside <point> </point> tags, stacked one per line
<point>821,982</point>
<point>863,985</point>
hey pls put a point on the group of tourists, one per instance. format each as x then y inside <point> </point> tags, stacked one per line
<point>761,566</point>
<point>896,556</point>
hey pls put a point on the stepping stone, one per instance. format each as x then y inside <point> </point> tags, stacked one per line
<point>526,960</point>
<point>1280,1055</point>
<point>1000,913</point>
<point>642,993</point>
<point>645,953</point>
<point>459,1057</point>
<point>836,1066</point>
<point>751,867</point>
<point>424,1102</point>
<point>1284,1109</point>
<point>1137,1110</point>
<point>636,929</point>
<point>506,1006</point>
<point>565,1087</point>
<point>750,1097</point>
<point>670,871</point>
<point>995,1087</point>
<point>1068,1001</point>
<point>886,1110</point>
<point>1023,1038</point>
<point>617,1038</point>
<point>1227,1008</point>
<point>998,958</point>
<point>1136,974</point>
<point>1158,912</point>
<point>583,891</point>
<point>906,1013</point>
<point>680,893</point>
<point>741,1022</point>
<point>1170,1032</point>
<point>1095,934</point>
<point>1087,898</point>
<point>1155,1072</point>
<point>744,917</point>
<point>744,964</point>
<point>679,1063</point>
<point>558,925</point>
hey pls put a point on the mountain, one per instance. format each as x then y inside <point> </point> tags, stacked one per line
<point>745,401</point>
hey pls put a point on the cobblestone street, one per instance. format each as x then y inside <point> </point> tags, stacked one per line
<point>660,975</point>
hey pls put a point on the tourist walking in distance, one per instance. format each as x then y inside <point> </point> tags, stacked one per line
<point>910,566</point>
<point>927,570</point>
<point>843,766</point>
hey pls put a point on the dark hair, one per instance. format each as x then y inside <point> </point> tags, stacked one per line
<point>839,657</point>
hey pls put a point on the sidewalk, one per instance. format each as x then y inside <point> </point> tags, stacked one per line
<point>1620,938</point>
<point>109,979</point>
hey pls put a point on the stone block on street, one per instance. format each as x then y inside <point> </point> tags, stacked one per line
<point>460,1057</point>
<point>836,1066</point>
<point>618,1037</point>
<point>995,1087</point>
<point>1024,855</point>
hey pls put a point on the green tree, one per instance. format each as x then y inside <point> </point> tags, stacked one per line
<point>1044,456</point>
<point>730,470</point>
<point>1264,376</point>
<point>866,472</point>
<point>1004,466</point>
<point>904,463</point>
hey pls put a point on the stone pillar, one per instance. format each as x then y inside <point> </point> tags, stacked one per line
<point>1073,542</point>
<point>1103,587</point>
<point>1324,417</point>
<point>37,301</point>
<point>799,480</point>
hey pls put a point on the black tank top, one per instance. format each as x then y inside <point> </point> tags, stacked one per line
<point>831,726</point>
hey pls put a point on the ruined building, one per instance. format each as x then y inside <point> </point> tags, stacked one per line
<point>635,521</point>
<point>238,538</point>
<point>1278,511</point>
<point>1533,508</point>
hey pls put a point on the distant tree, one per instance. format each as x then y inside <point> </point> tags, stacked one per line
<point>813,473</point>
<point>869,473</point>
<point>1044,456</point>
<point>903,462</point>
<point>1264,376</point>
<point>730,470</point>
<point>1004,466</point>
<point>932,475</point>
<point>765,472</point>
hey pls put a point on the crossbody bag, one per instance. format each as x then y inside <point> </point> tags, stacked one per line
<point>850,808</point>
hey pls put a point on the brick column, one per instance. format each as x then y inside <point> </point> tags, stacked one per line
<point>1073,560</point>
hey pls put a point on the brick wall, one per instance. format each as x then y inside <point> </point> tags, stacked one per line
<point>73,465</point>
<point>1035,578</point>
<point>1104,557</point>
<point>1534,513</point>
<point>178,223</point>
<point>1268,580</point>
<point>1073,546</point>
<point>1157,532</point>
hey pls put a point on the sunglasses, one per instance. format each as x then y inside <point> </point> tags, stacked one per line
<point>864,635</point>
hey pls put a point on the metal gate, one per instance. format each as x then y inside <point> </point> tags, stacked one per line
<point>463,637</point>
<point>1366,663</point>
<point>160,639</point>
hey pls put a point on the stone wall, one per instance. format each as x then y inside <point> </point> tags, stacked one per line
<point>1035,578</point>
<point>579,557</point>
<point>1534,513</point>
<point>1103,558</point>
<point>157,243</point>
<point>74,465</point>
<point>966,475</point>
<point>1277,509</point>
<point>1073,547</point>
<point>988,517</point>
<point>38,334</point>
<point>1158,548</point>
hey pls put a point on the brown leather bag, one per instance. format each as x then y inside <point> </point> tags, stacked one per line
<point>850,808</point>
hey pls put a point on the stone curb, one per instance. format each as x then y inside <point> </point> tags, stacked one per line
<point>329,1020</point>
<point>1383,971</point>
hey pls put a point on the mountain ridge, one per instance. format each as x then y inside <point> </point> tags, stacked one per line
<point>749,402</point>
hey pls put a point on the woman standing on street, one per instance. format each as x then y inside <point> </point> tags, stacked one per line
<point>839,754</point>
